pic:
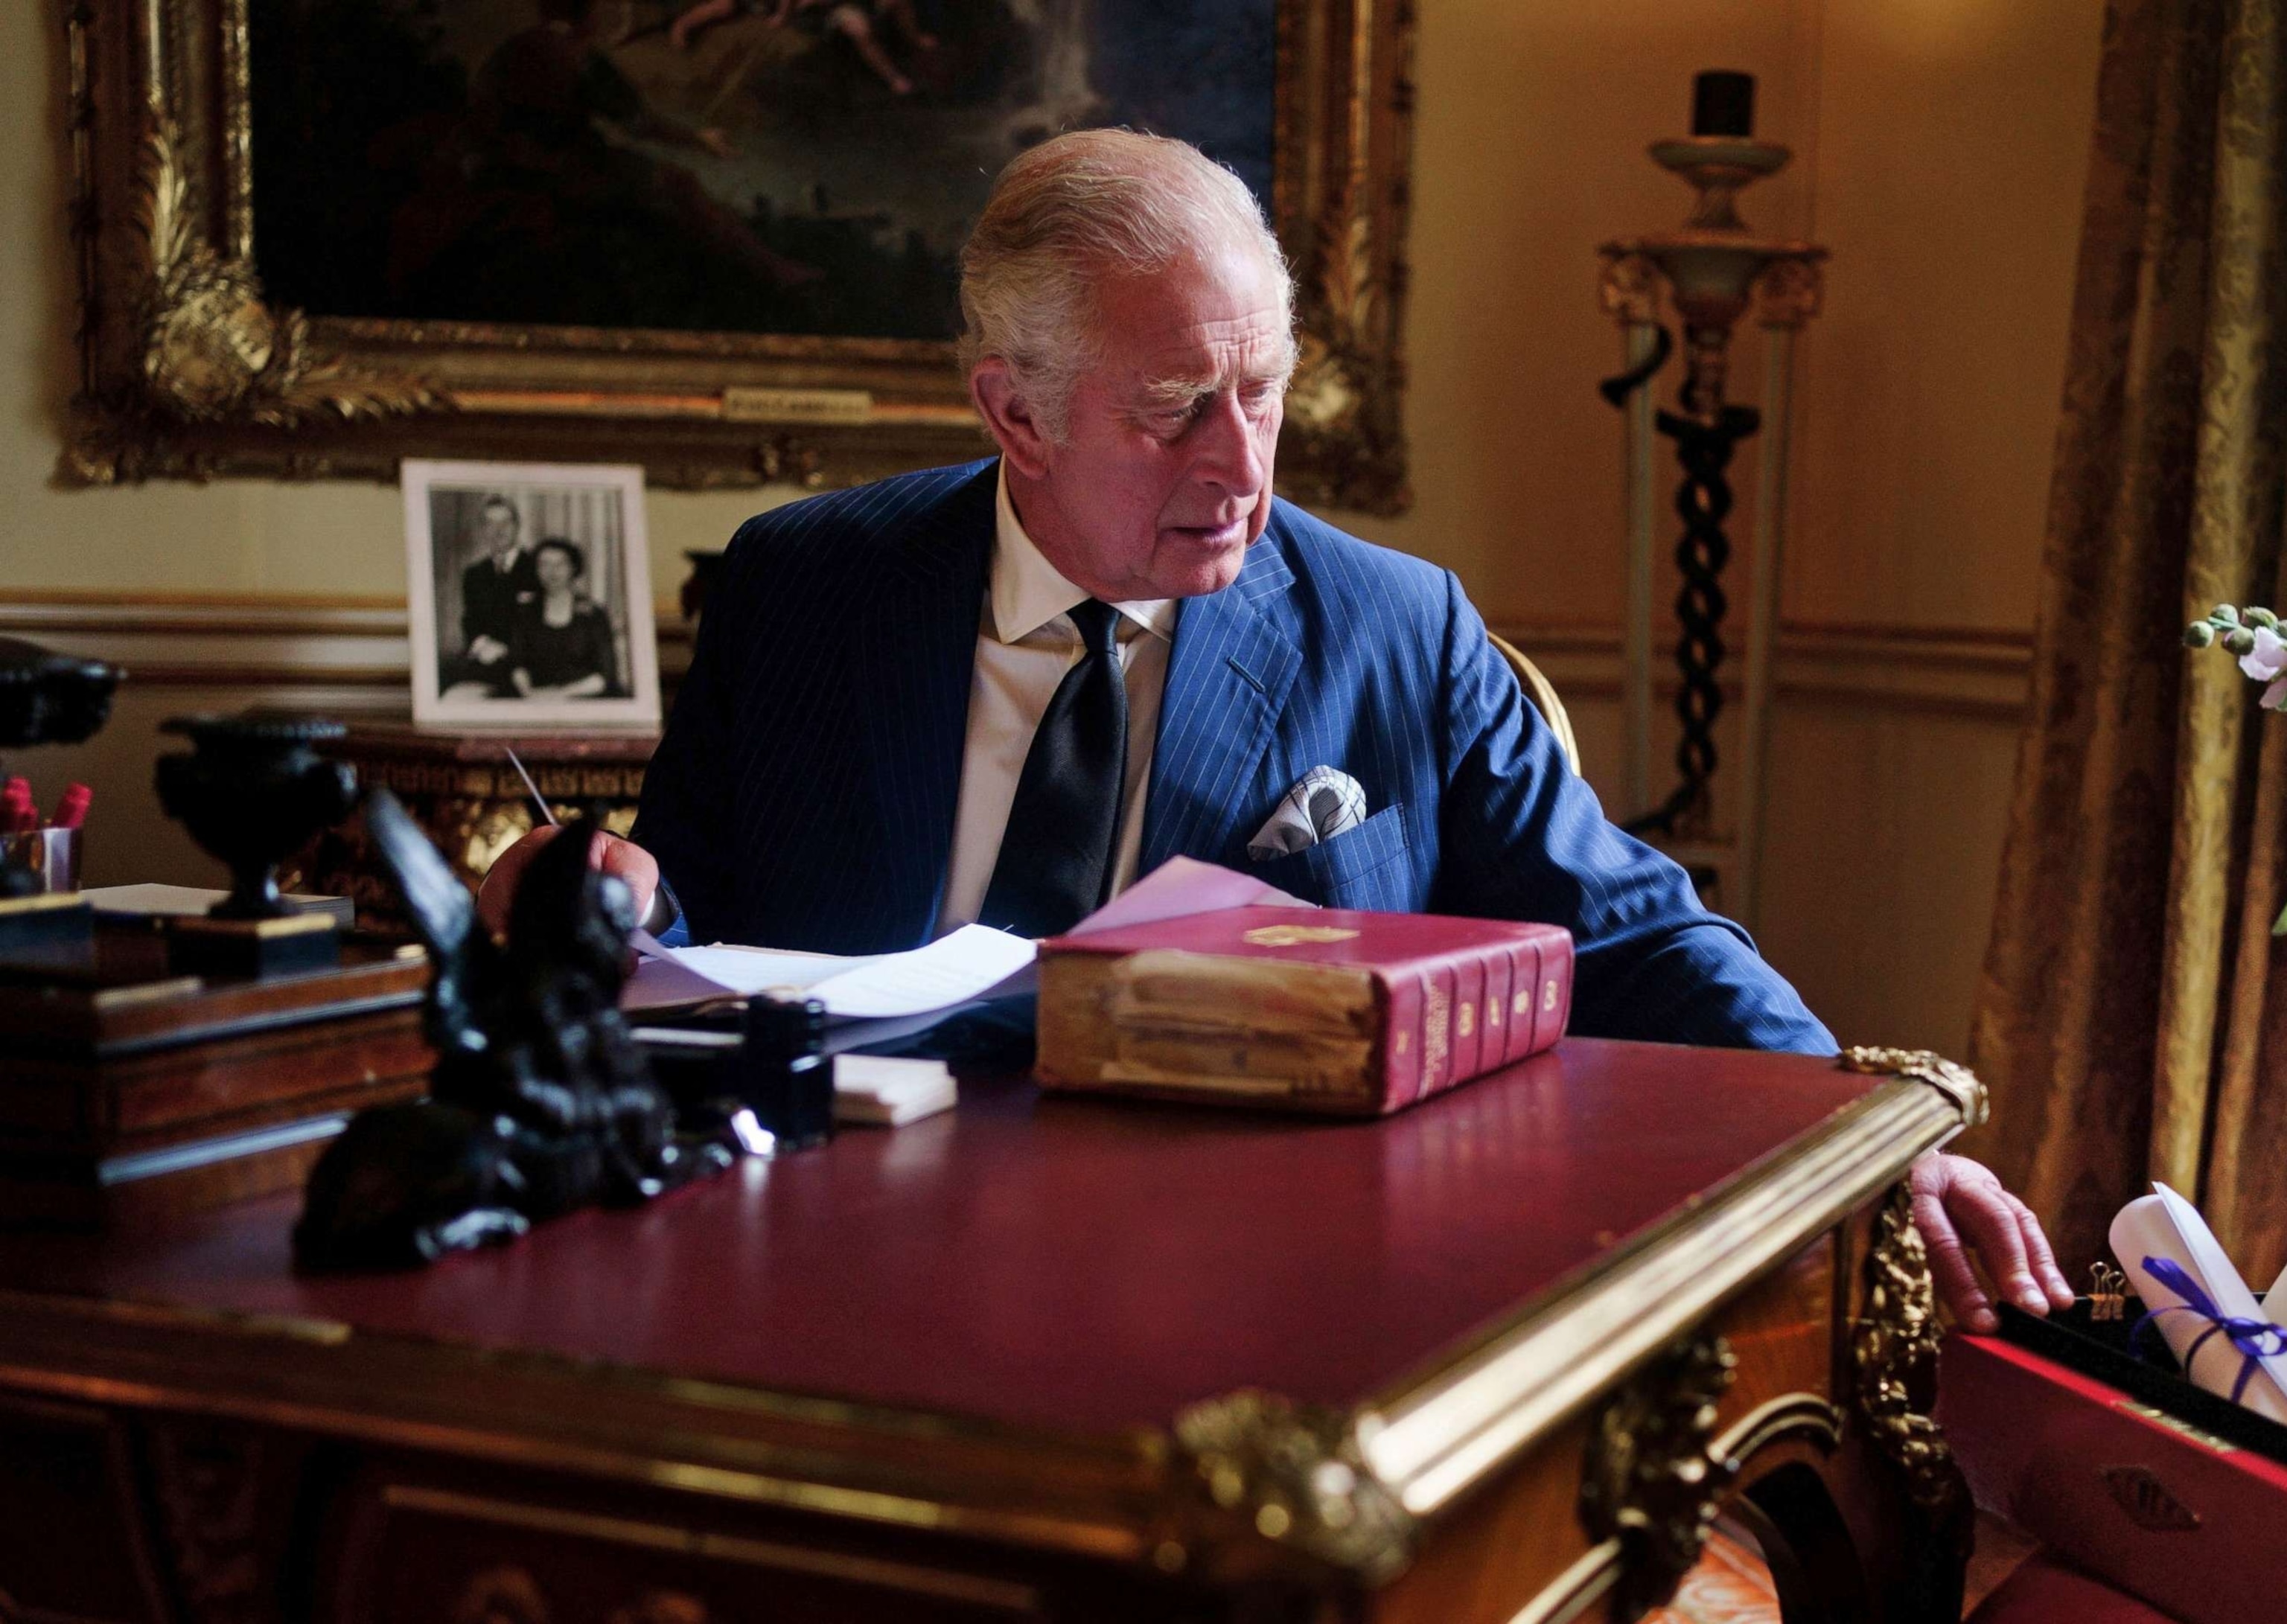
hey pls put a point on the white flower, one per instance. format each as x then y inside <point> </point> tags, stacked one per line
<point>2267,662</point>
<point>2275,698</point>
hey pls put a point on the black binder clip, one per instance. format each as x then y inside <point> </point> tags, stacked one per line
<point>2108,1293</point>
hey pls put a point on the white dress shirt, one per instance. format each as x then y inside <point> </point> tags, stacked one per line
<point>1026,644</point>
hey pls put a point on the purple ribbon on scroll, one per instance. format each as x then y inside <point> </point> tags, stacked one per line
<point>2255,1339</point>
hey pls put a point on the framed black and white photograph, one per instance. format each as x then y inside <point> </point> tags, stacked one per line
<point>529,595</point>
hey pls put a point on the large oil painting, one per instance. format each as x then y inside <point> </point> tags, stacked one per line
<point>744,166</point>
<point>718,238</point>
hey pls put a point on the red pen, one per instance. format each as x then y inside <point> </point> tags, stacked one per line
<point>18,815</point>
<point>71,808</point>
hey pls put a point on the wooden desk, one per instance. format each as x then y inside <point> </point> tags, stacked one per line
<point>1496,1358</point>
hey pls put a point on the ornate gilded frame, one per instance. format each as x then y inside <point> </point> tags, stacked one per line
<point>186,371</point>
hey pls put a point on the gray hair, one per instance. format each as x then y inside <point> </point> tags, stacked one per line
<point>1064,214</point>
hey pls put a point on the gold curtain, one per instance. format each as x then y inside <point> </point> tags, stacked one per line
<point>2132,1020</point>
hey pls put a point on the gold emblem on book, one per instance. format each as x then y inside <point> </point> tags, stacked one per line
<point>1295,935</point>
<point>1549,996</point>
<point>1466,1022</point>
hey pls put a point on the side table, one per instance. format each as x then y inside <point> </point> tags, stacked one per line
<point>458,783</point>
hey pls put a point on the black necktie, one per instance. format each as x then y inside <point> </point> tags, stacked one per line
<point>1054,865</point>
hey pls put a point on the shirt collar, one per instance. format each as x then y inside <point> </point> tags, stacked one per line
<point>1027,591</point>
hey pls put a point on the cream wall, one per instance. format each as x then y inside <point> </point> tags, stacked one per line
<point>1941,149</point>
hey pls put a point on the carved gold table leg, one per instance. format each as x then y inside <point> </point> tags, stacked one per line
<point>1893,1346</point>
<point>1653,1480</point>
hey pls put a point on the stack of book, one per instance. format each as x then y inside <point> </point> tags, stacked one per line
<point>128,1093</point>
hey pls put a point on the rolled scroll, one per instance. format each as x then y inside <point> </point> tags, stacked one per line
<point>2200,1304</point>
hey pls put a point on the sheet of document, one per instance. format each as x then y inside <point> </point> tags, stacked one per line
<point>747,971</point>
<point>971,963</point>
<point>1182,887</point>
<point>150,897</point>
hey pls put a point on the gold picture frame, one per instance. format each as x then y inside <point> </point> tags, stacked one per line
<point>186,370</point>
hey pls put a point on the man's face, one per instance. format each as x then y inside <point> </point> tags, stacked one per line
<point>1164,475</point>
<point>496,531</point>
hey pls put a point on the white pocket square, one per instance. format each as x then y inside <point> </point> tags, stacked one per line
<point>1323,803</point>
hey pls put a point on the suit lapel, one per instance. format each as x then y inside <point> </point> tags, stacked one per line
<point>1234,659</point>
<point>921,659</point>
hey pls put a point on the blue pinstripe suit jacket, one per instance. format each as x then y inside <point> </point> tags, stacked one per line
<point>803,795</point>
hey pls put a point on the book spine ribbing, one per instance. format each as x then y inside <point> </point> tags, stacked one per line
<point>1500,972</point>
<point>1449,1019</point>
<point>1555,1007</point>
<point>1470,1056</point>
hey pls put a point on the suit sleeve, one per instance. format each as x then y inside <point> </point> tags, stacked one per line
<point>1525,837</point>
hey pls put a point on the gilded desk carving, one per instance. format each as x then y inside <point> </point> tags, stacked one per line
<point>1297,1473</point>
<point>1654,1479</point>
<point>1894,1346</point>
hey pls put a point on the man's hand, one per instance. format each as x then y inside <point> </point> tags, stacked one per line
<point>1957,1200</point>
<point>608,854</point>
<point>488,650</point>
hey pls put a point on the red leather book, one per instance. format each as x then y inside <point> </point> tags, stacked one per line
<point>1328,1009</point>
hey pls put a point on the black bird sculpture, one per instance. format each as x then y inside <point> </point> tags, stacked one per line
<point>540,1102</point>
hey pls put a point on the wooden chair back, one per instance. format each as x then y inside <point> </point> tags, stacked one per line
<point>1543,693</point>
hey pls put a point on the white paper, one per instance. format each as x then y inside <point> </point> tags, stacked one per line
<point>673,978</point>
<point>888,1091</point>
<point>967,964</point>
<point>972,962</point>
<point>1182,887</point>
<point>152,897</point>
<point>747,971</point>
<point>2164,1225</point>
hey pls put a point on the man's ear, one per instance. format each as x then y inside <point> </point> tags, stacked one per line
<point>1009,417</point>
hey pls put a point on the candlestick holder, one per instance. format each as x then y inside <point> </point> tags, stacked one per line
<point>1714,269</point>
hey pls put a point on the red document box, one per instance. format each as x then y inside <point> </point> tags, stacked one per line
<point>2193,1525</point>
<point>2043,1592</point>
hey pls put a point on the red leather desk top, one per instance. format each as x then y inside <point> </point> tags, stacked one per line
<point>1084,1266</point>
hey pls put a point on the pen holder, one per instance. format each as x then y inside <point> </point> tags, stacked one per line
<point>43,922</point>
<point>50,856</point>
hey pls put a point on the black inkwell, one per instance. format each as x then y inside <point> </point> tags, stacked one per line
<point>783,1071</point>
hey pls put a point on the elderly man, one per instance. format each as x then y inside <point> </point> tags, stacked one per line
<point>1001,691</point>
